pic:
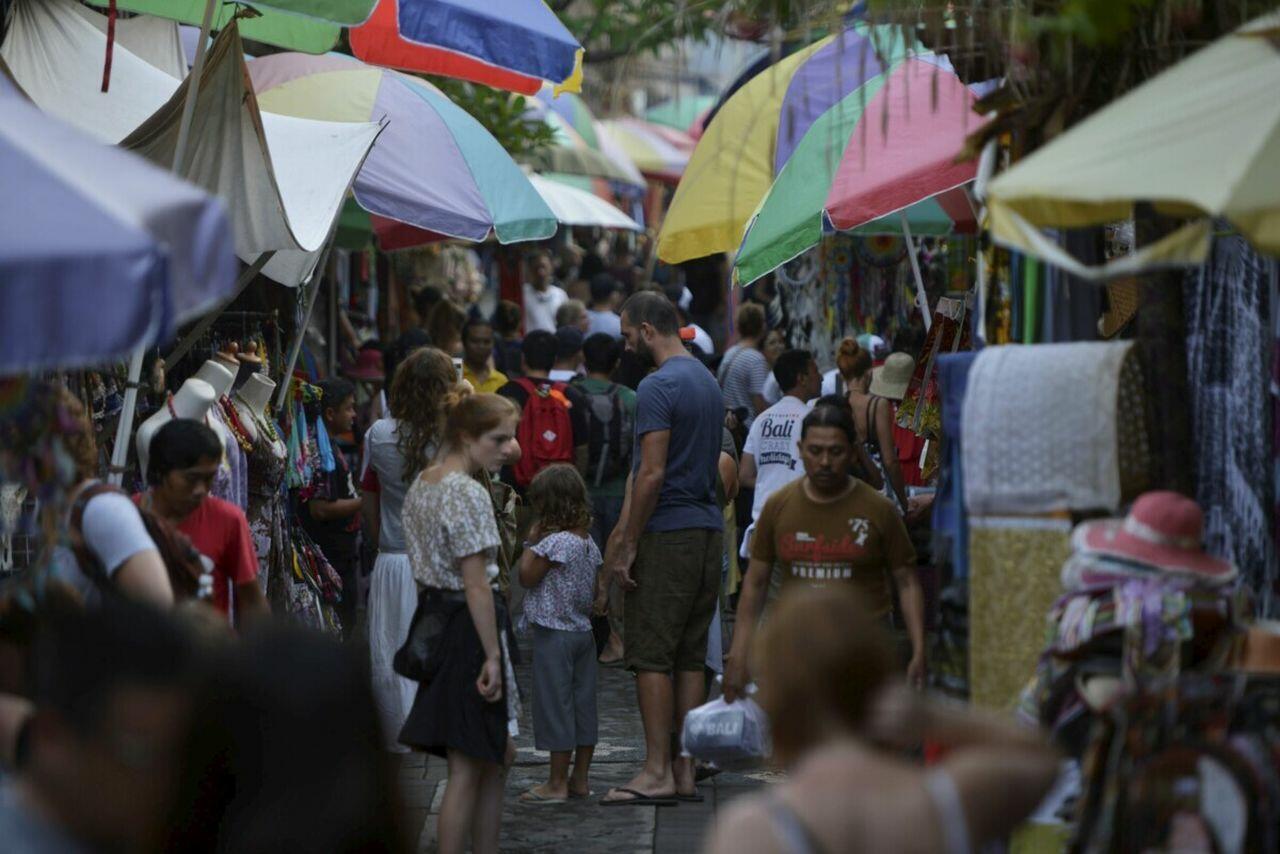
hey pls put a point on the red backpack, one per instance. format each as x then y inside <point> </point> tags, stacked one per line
<point>546,430</point>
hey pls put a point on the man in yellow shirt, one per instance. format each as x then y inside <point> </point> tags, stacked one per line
<point>477,356</point>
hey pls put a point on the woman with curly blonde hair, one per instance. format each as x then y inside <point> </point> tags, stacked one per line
<point>396,449</point>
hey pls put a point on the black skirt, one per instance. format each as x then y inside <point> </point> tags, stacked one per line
<point>448,712</point>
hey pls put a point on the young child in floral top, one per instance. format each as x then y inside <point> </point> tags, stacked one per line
<point>559,568</point>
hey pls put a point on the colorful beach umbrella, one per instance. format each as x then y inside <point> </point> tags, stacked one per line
<point>573,206</point>
<point>312,26</point>
<point>755,131</point>
<point>659,152</point>
<point>1200,140</point>
<point>434,168</point>
<point>888,144</point>
<point>100,251</point>
<point>572,110</point>
<point>596,156</point>
<point>683,114</point>
<point>516,45</point>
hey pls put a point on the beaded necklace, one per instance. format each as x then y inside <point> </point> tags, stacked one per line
<point>233,422</point>
<point>264,424</point>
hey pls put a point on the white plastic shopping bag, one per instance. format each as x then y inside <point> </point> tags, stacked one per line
<point>733,736</point>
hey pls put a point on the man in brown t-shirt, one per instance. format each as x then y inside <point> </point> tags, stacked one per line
<point>829,528</point>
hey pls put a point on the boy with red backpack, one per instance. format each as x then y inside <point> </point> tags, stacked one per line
<point>553,415</point>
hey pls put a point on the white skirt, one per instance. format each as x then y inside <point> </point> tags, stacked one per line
<point>393,597</point>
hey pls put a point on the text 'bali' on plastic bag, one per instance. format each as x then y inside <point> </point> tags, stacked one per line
<point>733,736</point>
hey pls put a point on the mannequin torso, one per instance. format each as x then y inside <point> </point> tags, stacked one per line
<point>192,400</point>
<point>251,404</point>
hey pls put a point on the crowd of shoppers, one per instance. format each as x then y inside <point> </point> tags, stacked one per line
<point>585,451</point>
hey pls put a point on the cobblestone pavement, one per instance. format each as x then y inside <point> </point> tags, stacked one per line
<point>581,826</point>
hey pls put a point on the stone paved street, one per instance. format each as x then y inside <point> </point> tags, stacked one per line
<point>583,826</point>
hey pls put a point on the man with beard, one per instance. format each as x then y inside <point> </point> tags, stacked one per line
<point>666,549</point>
<point>829,528</point>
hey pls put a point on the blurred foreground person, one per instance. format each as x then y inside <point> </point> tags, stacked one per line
<point>285,754</point>
<point>112,699</point>
<point>840,721</point>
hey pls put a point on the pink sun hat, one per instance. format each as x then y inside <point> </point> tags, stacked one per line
<point>1164,531</point>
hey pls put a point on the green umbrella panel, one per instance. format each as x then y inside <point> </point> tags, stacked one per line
<point>310,26</point>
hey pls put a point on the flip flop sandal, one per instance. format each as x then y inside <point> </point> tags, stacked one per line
<point>532,797</point>
<point>639,799</point>
<point>576,797</point>
<point>704,772</point>
<point>695,798</point>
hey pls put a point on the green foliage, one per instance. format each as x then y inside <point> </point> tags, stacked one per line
<point>613,29</point>
<point>1093,22</point>
<point>502,114</point>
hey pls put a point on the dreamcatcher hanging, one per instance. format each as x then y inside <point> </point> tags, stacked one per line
<point>880,250</point>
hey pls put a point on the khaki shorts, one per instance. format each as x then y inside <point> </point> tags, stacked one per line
<point>666,617</point>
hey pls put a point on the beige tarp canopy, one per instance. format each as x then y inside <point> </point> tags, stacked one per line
<point>282,178</point>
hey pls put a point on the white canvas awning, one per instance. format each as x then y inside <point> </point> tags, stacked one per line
<point>283,178</point>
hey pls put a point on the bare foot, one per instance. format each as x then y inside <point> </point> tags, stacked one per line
<point>545,794</point>
<point>684,774</point>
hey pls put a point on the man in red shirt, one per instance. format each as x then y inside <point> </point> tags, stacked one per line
<point>185,455</point>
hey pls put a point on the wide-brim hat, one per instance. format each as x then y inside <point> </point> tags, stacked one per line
<point>892,378</point>
<point>1164,531</point>
<point>368,367</point>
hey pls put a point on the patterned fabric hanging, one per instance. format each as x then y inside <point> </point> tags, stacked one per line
<point>1227,303</point>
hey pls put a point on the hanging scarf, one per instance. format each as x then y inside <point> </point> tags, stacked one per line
<point>324,447</point>
<point>1227,303</point>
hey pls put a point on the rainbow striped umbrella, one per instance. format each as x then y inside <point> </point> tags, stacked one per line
<point>516,45</point>
<point>581,149</point>
<point>572,110</point>
<point>755,130</point>
<point>661,153</point>
<point>312,26</point>
<point>434,171</point>
<point>889,143</point>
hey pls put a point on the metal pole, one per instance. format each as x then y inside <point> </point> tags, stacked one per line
<point>333,325</point>
<point>189,340</point>
<point>921,296</point>
<point>193,89</point>
<point>296,346</point>
<point>120,452</point>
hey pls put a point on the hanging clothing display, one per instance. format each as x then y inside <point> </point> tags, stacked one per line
<point>235,487</point>
<point>296,578</point>
<point>919,415</point>
<point>950,521</point>
<point>1229,354</point>
<point>1013,580</point>
<point>1043,428</point>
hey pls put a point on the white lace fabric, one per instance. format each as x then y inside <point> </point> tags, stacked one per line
<point>1041,430</point>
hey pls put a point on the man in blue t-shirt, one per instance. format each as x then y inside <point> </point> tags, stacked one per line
<point>666,549</point>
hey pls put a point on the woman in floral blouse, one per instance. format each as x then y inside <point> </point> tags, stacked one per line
<point>467,711</point>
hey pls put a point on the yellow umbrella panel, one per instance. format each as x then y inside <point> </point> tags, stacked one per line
<point>731,170</point>
<point>1201,139</point>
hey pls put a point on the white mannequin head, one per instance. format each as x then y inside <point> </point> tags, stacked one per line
<point>193,400</point>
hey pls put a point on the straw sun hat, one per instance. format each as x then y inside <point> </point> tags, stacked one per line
<point>892,378</point>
